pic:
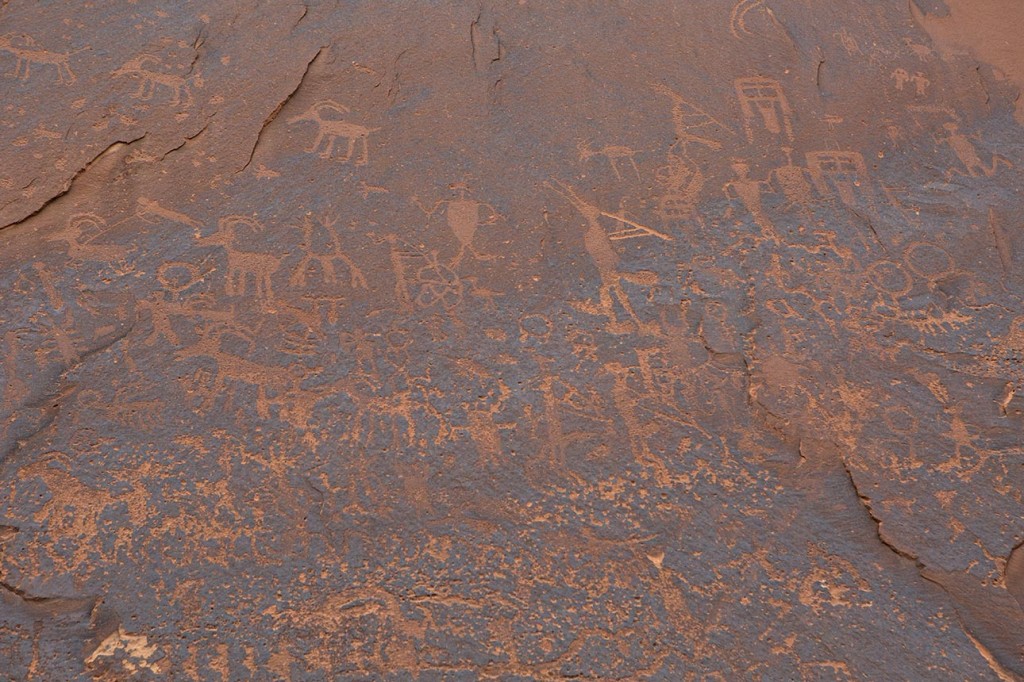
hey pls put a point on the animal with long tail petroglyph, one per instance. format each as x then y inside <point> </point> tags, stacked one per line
<point>27,53</point>
<point>330,129</point>
<point>145,68</point>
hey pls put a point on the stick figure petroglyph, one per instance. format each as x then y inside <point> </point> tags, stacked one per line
<point>920,81</point>
<point>26,52</point>
<point>142,68</point>
<point>968,154</point>
<point>613,153</point>
<point>463,217</point>
<point>330,129</point>
<point>176,278</point>
<point>242,264</point>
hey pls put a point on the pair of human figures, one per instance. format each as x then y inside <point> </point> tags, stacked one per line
<point>792,180</point>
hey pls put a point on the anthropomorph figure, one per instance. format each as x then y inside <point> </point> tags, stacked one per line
<point>968,154</point>
<point>598,244</point>
<point>748,191</point>
<point>463,216</point>
<point>795,182</point>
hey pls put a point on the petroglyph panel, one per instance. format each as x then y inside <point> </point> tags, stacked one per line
<point>515,341</point>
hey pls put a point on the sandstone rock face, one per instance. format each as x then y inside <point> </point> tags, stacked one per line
<point>649,340</point>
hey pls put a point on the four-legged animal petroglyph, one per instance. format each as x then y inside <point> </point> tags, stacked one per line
<point>27,53</point>
<point>330,129</point>
<point>80,234</point>
<point>242,264</point>
<point>145,68</point>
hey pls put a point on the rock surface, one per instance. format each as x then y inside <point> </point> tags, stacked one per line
<point>650,340</point>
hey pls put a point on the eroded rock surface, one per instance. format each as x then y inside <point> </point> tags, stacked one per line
<point>651,340</point>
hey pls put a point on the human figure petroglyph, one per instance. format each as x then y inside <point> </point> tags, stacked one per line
<point>683,182</point>
<point>968,155</point>
<point>748,191</point>
<point>242,264</point>
<point>613,154</point>
<point>176,279</point>
<point>689,120</point>
<point>561,402</point>
<point>27,53</point>
<point>463,217</point>
<point>901,78</point>
<point>489,394</point>
<point>637,429</point>
<point>841,173</point>
<point>400,268</point>
<point>598,244</point>
<point>330,129</point>
<point>921,84</point>
<point>763,99</point>
<point>795,182</point>
<point>147,69</point>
